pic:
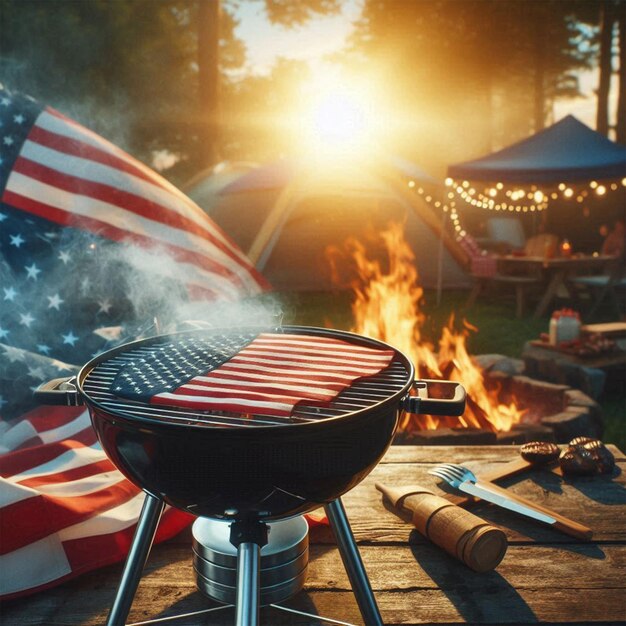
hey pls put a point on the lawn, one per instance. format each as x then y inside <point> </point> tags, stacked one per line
<point>498,332</point>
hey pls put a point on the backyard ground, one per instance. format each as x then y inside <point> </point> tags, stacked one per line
<point>498,331</point>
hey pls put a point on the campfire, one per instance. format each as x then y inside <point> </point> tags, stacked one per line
<point>387,307</point>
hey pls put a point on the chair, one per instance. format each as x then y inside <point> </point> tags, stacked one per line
<point>507,230</point>
<point>484,270</point>
<point>602,287</point>
<point>541,245</point>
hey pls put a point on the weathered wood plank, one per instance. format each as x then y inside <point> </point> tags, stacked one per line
<point>410,608</point>
<point>535,573</point>
<point>461,454</point>
<point>426,567</point>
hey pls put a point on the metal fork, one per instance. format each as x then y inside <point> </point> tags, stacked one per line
<point>463,479</point>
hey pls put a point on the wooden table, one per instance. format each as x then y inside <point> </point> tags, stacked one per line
<point>607,360</point>
<point>545,577</point>
<point>554,272</point>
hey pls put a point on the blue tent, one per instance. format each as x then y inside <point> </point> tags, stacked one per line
<point>568,151</point>
<point>288,214</point>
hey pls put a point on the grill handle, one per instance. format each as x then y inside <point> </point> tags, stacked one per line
<point>422,403</point>
<point>59,391</point>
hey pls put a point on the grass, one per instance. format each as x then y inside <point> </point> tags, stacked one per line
<point>498,332</point>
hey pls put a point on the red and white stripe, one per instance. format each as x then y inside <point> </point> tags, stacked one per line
<point>64,507</point>
<point>276,371</point>
<point>71,176</point>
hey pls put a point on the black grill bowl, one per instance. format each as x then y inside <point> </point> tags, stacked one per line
<point>274,472</point>
<point>242,469</point>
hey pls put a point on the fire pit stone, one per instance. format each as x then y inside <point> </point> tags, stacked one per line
<point>500,363</point>
<point>545,365</point>
<point>571,423</point>
<point>523,433</point>
<point>575,397</point>
<point>556,412</point>
<point>448,437</point>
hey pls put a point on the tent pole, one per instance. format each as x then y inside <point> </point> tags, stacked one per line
<point>440,258</point>
<point>263,244</point>
<point>423,210</point>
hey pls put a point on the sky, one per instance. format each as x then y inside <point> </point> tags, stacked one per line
<point>266,42</point>
<point>314,41</point>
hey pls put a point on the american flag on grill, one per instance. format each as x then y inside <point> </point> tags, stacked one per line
<point>77,216</point>
<point>268,376</point>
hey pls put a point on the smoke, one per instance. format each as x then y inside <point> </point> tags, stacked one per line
<point>68,295</point>
<point>112,121</point>
<point>153,284</point>
<point>90,294</point>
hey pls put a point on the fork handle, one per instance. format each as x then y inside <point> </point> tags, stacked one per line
<point>565,525</point>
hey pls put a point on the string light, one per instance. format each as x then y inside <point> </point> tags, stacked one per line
<point>489,200</point>
<point>448,208</point>
<point>496,197</point>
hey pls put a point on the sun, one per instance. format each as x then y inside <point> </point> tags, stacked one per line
<point>339,115</point>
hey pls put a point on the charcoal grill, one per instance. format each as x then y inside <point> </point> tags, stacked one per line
<point>250,468</point>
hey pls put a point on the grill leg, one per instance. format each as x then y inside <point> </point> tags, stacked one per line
<point>137,556</point>
<point>248,536</point>
<point>248,598</point>
<point>352,562</point>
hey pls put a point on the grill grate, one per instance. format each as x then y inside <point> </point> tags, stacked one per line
<point>362,394</point>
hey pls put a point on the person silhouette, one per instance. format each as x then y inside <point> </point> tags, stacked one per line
<point>615,241</point>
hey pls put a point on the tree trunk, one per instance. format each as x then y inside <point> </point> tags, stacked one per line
<point>540,70</point>
<point>607,20</point>
<point>208,80</point>
<point>620,126</point>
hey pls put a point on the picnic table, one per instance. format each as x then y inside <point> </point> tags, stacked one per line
<point>545,576</point>
<point>553,272</point>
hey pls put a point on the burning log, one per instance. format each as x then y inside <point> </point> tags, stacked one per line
<point>479,415</point>
<point>447,370</point>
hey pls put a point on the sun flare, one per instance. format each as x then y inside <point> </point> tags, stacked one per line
<point>339,118</point>
<point>339,115</point>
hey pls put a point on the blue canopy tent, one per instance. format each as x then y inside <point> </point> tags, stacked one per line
<point>568,161</point>
<point>566,152</point>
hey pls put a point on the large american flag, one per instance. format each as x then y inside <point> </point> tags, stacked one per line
<point>268,376</point>
<point>82,225</point>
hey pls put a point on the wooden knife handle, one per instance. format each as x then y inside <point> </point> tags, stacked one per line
<point>565,525</point>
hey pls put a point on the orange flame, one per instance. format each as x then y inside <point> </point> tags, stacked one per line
<point>387,307</point>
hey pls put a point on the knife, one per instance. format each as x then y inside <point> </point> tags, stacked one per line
<point>505,499</point>
<point>484,493</point>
